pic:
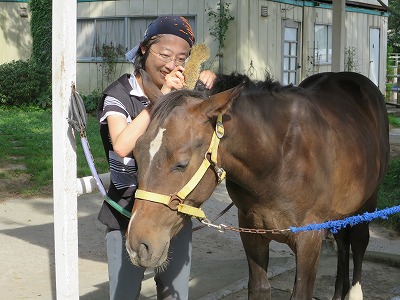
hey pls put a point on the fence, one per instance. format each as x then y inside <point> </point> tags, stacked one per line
<point>392,76</point>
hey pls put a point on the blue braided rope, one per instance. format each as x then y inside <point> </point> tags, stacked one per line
<point>335,226</point>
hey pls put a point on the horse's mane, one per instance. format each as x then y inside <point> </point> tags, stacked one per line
<point>225,82</point>
<point>222,83</point>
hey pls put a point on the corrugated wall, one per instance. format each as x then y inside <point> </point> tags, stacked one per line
<point>253,44</point>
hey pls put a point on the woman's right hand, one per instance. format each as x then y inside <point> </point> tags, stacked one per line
<point>174,80</point>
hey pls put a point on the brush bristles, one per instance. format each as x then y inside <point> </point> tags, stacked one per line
<point>199,54</point>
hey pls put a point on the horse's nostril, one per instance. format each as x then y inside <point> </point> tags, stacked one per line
<point>144,250</point>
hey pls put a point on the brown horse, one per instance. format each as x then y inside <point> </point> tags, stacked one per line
<point>293,156</point>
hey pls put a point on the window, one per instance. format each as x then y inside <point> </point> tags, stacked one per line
<point>93,35</point>
<point>124,33</point>
<point>290,55</point>
<point>323,44</point>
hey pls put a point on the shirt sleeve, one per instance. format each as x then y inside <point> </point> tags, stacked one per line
<point>112,106</point>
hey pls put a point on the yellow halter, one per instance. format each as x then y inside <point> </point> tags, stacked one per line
<point>176,201</point>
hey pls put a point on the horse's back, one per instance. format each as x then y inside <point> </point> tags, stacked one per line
<point>355,111</point>
<point>347,91</point>
<point>348,99</point>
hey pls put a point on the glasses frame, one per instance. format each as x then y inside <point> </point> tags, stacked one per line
<point>167,60</point>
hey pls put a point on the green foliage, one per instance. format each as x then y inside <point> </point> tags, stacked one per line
<point>220,18</point>
<point>394,26</point>
<point>41,31</point>
<point>390,73</point>
<point>91,101</point>
<point>41,24</point>
<point>389,194</point>
<point>22,83</point>
<point>110,55</point>
<point>350,63</point>
<point>394,121</point>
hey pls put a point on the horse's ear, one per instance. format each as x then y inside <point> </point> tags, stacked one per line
<point>150,89</point>
<point>221,102</point>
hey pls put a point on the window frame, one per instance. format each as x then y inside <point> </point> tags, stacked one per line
<point>128,44</point>
<point>328,42</point>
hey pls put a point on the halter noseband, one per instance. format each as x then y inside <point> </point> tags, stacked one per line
<point>176,201</point>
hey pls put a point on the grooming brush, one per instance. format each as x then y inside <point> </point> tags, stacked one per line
<point>199,54</point>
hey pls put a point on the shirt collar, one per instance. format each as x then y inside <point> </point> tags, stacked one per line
<point>136,89</point>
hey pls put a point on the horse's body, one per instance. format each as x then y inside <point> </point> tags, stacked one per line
<point>293,156</point>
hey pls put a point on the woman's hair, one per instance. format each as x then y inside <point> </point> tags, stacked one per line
<point>140,58</point>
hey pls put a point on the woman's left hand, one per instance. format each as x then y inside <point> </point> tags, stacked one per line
<point>207,77</point>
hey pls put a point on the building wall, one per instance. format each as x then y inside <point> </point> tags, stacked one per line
<point>253,44</point>
<point>15,36</point>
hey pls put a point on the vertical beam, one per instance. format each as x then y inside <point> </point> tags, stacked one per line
<point>64,150</point>
<point>338,35</point>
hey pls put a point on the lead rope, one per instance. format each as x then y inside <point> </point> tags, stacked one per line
<point>77,118</point>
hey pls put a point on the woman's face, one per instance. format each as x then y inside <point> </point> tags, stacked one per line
<point>164,56</point>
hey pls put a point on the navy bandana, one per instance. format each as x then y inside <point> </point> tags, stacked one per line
<point>175,25</point>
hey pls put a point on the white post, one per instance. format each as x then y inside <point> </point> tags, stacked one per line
<point>338,35</point>
<point>64,150</point>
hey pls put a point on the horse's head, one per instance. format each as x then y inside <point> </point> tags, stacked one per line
<point>168,155</point>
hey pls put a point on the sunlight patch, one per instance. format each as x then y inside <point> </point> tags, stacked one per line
<point>156,143</point>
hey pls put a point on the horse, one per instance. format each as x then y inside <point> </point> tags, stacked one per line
<point>292,155</point>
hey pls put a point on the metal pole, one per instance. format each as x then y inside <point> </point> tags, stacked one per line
<point>64,150</point>
<point>338,35</point>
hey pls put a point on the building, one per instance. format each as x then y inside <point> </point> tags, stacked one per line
<point>291,39</point>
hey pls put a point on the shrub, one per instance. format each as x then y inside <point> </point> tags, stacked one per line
<point>91,101</point>
<point>22,82</point>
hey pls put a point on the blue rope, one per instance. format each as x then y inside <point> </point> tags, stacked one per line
<point>335,226</point>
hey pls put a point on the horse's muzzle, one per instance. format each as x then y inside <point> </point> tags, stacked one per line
<point>142,253</point>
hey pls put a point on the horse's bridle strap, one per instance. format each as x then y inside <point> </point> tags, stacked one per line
<point>189,187</point>
<point>166,200</point>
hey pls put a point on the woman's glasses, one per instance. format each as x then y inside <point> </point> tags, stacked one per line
<point>179,61</point>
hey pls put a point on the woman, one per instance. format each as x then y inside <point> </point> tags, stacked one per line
<point>123,118</point>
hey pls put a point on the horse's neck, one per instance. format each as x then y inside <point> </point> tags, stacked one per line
<point>248,148</point>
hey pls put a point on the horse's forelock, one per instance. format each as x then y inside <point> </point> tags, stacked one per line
<point>164,107</point>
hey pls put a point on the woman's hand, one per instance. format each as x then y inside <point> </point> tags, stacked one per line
<point>207,77</point>
<point>174,80</point>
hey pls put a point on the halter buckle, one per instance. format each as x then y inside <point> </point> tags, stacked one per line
<point>219,129</point>
<point>174,202</point>
<point>220,172</point>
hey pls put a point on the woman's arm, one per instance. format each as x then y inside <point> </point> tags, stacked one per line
<point>123,135</point>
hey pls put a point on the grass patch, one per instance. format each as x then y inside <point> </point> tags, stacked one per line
<point>389,194</point>
<point>394,121</point>
<point>26,139</point>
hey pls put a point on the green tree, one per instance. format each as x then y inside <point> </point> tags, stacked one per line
<point>41,31</point>
<point>394,25</point>
<point>41,58</point>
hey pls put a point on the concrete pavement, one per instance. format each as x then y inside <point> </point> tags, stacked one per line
<point>219,265</point>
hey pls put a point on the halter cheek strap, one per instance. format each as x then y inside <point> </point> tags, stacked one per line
<point>176,201</point>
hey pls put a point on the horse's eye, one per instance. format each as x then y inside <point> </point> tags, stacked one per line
<point>180,166</point>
